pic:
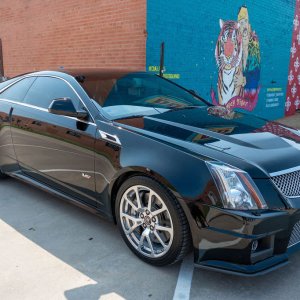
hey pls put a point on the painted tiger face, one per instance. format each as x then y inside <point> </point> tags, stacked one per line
<point>228,47</point>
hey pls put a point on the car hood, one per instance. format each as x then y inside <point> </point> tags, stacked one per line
<point>268,145</point>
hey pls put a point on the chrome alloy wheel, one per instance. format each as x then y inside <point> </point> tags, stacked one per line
<point>146,221</point>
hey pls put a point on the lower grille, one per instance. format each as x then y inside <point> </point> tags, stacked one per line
<point>295,236</point>
<point>288,184</point>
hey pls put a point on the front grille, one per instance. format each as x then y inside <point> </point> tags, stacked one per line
<point>295,236</point>
<point>288,184</point>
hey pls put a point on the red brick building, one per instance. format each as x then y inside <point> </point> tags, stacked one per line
<point>49,34</point>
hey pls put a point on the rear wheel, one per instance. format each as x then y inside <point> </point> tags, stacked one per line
<point>152,222</point>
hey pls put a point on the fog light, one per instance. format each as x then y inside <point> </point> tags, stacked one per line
<point>254,246</point>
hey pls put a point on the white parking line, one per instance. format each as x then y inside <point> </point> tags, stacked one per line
<point>185,277</point>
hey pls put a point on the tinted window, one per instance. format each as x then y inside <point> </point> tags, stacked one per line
<point>45,89</point>
<point>7,82</point>
<point>137,93</point>
<point>18,91</point>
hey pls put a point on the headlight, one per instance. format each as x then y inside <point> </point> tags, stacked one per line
<point>237,189</point>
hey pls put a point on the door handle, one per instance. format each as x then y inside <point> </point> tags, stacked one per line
<point>10,114</point>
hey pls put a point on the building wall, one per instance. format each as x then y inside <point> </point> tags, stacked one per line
<point>191,31</point>
<point>48,34</point>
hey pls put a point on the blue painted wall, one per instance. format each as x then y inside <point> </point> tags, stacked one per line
<point>190,30</point>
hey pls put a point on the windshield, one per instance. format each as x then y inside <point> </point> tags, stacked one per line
<point>137,94</point>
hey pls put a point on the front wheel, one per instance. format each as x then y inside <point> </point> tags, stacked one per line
<point>152,222</point>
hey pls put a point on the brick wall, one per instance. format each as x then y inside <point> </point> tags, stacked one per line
<point>47,34</point>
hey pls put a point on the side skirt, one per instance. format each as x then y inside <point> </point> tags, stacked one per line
<point>75,201</point>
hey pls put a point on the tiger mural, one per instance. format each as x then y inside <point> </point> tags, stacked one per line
<point>228,55</point>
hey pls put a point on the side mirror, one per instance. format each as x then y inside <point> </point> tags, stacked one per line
<point>65,107</point>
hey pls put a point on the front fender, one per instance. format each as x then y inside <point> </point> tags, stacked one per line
<point>185,175</point>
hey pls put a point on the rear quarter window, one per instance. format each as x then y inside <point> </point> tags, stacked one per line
<point>17,91</point>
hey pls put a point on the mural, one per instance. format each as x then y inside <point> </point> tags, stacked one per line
<point>293,87</point>
<point>241,61</point>
<point>238,59</point>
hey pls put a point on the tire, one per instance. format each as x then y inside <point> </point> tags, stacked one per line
<point>158,233</point>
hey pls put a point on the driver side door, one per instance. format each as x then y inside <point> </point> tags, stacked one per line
<point>54,149</point>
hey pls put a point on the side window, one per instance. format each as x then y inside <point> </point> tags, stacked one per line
<point>45,89</point>
<point>18,91</point>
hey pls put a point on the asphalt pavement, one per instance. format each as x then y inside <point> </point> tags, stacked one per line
<point>50,249</point>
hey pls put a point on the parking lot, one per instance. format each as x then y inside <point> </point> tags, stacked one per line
<point>53,250</point>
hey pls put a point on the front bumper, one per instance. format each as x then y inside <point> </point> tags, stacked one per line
<point>244,243</point>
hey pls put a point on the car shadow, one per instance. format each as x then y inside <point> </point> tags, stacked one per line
<point>84,241</point>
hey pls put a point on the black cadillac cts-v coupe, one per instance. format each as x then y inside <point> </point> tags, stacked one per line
<point>171,170</point>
